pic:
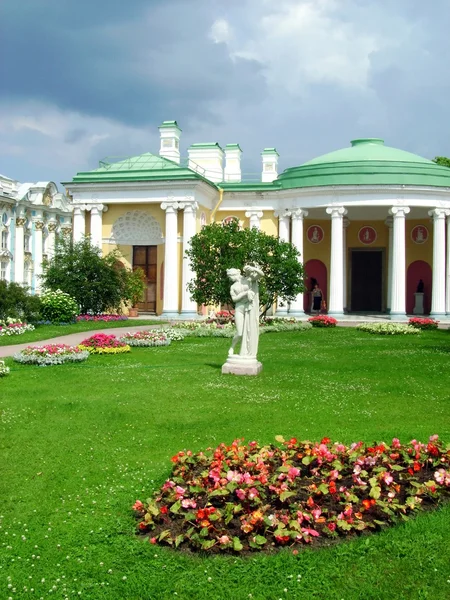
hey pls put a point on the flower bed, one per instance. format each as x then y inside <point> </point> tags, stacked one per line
<point>101,343</point>
<point>106,318</point>
<point>14,327</point>
<point>279,325</point>
<point>246,497</point>
<point>221,316</point>
<point>175,335</point>
<point>423,324</point>
<point>51,354</point>
<point>388,328</point>
<point>145,338</point>
<point>322,321</point>
<point>4,370</point>
<point>204,329</point>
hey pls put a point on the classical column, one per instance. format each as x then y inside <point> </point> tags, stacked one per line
<point>38,251</point>
<point>52,226</point>
<point>447,303</point>
<point>296,308</point>
<point>19,254</point>
<point>438,285</point>
<point>336,299</point>
<point>96,224</point>
<point>79,222</point>
<point>171,283</point>
<point>284,217</point>
<point>188,306</point>
<point>389,222</point>
<point>398,281</point>
<point>345,224</point>
<point>254,216</point>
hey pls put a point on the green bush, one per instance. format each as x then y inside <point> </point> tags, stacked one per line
<point>58,307</point>
<point>17,303</point>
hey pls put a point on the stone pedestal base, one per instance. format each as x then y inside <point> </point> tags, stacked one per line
<point>242,365</point>
<point>418,303</point>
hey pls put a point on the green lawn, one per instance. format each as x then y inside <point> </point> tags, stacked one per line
<point>46,332</point>
<point>80,443</point>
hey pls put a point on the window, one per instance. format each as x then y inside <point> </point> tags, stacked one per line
<point>4,243</point>
<point>3,270</point>
<point>26,243</point>
<point>5,219</point>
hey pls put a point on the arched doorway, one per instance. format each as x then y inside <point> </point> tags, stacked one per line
<point>315,272</point>
<point>419,269</point>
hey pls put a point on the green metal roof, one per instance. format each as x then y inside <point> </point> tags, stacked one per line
<point>145,167</point>
<point>367,162</point>
<point>169,124</point>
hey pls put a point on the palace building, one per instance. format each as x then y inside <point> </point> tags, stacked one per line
<point>32,215</point>
<point>370,221</point>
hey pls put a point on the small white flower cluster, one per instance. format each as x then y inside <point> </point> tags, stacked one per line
<point>175,335</point>
<point>288,326</point>
<point>4,370</point>
<point>146,339</point>
<point>389,328</point>
<point>14,327</point>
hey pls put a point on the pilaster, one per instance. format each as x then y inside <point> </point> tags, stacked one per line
<point>255,216</point>
<point>38,251</point>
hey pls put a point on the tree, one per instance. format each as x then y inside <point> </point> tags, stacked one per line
<point>16,303</point>
<point>96,282</point>
<point>442,160</point>
<point>218,247</point>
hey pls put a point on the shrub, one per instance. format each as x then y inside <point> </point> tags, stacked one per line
<point>388,328</point>
<point>423,324</point>
<point>51,354</point>
<point>146,338</point>
<point>323,321</point>
<point>15,302</point>
<point>4,370</point>
<point>58,307</point>
<point>101,343</point>
<point>250,498</point>
<point>14,327</point>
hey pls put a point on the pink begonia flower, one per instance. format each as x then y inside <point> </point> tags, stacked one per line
<point>240,493</point>
<point>224,539</point>
<point>334,474</point>
<point>434,438</point>
<point>396,443</point>
<point>179,491</point>
<point>138,505</point>
<point>293,473</point>
<point>188,503</point>
<point>247,478</point>
<point>312,532</point>
<point>443,477</point>
<point>234,476</point>
<point>388,479</point>
<point>253,493</point>
<point>214,474</point>
<point>168,485</point>
<point>316,512</point>
<point>348,511</point>
<point>340,448</point>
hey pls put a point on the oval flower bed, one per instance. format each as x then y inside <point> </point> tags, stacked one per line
<point>247,497</point>
<point>323,321</point>
<point>14,327</point>
<point>106,318</point>
<point>422,323</point>
<point>51,354</point>
<point>146,338</point>
<point>389,328</point>
<point>101,343</point>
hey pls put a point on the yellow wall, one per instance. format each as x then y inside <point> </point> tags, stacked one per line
<point>419,251</point>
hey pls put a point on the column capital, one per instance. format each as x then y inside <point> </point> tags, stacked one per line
<point>170,207</point>
<point>282,213</point>
<point>78,209</point>
<point>20,221</point>
<point>399,211</point>
<point>336,212</point>
<point>52,225</point>
<point>258,214</point>
<point>99,208</point>
<point>188,206</point>
<point>439,213</point>
<point>38,224</point>
<point>297,214</point>
<point>66,229</point>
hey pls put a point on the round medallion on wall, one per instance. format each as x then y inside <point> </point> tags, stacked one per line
<point>367,235</point>
<point>419,234</point>
<point>315,234</point>
<point>229,219</point>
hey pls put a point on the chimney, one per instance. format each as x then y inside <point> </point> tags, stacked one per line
<point>269,165</point>
<point>170,141</point>
<point>206,159</point>
<point>232,170</point>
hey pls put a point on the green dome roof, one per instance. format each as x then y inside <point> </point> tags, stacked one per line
<point>367,162</point>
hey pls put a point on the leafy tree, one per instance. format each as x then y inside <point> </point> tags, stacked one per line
<point>442,160</point>
<point>15,302</point>
<point>218,247</point>
<point>96,282</point>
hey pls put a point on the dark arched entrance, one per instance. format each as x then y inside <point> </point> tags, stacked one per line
<point>419,269</point>
<point>316,272</point>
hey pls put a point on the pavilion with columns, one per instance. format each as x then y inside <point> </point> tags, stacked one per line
<point>370,221</point>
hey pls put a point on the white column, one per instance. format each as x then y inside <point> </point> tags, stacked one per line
<point>188,306</point>
<point>19,255</point>
<point>388,222</point>
<point>438,285</point>
<point>345,224</point>
<point>447,303</point>
<point>284,218</point>
<point>254,216</point>
<point>79,222</point>
<point>96,224</point>
<point>171,283</point>
<point>296,308</point>
<point>336,300</point>
<point>52,226</point>
<point>38,251</point>
<point>398,282</point>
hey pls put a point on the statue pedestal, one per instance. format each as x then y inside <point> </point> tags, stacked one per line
<point>242,365</point>
<point>418,303</point>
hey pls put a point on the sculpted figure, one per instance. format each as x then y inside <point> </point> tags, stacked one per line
<point>242,296</point>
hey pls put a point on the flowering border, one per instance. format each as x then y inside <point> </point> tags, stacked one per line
<point>323,321</point>
<point>102,343</point>
<point>146,338</point>
<point>423,323</point>
<point>14,327</point>
<point>51,354</point>
<point>246,497</point>
<point>389,328</point>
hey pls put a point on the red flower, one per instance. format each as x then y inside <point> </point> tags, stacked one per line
<point>325,440</point>
<point>164,510</point>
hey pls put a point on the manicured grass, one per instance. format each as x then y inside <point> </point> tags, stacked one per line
<point>46,332</point>
<point>80,443</point>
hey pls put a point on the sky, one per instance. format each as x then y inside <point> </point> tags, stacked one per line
<point>85,79</point>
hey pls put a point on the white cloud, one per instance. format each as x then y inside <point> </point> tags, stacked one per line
<point>221,32</point>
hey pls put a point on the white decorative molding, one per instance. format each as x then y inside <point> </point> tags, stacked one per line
<point>137,228</point>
